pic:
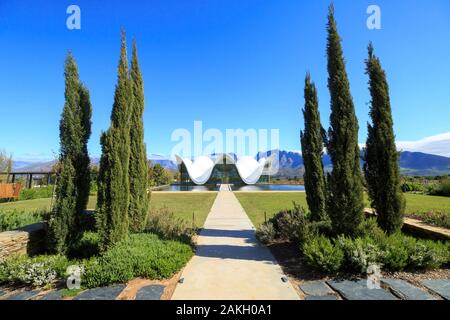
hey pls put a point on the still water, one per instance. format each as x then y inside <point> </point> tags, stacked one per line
<point>257,187</point>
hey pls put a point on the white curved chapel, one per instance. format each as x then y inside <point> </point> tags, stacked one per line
<point>200,170</point>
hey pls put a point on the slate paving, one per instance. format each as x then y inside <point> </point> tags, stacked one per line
<point>407,291</point>
<point>358,290</point>
<point>151,292</point>
<point>316,288</point>
<point>105,293</point>
<point>24,295</point>
<point>54,295</point>
<point>2,293</point>
<point>441,287</point>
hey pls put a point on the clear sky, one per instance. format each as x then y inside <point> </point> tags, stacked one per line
<point>231,64</point>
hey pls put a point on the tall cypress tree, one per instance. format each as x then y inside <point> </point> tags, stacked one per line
<point>72,190</point>
<point>312,140</point>
<point>345,201</point>
<point>113,179</point>
<point>381,157</point>
<point>82,163</point>
<point>139,199</point>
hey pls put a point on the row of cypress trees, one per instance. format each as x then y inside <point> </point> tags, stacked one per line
<point>339,196</point>
<point>123,198</point>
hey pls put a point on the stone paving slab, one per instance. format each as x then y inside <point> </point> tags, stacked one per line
<point>229,263</point>
<point>54,295</point>
<point>407,291</point>
<point>105,293</point>
<point>321,298</point>
<point>151,292</point>
<point>358,290</point>
<point>2,293</point>
<point>441,287</point>
<point>24,295</point>
<point>316,288</point>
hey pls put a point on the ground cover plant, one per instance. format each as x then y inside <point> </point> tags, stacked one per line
<point>13,219</point>
<point>140,255</point>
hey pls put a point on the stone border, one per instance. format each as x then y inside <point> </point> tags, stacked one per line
<point>419,228</point>
<point>26,240</point>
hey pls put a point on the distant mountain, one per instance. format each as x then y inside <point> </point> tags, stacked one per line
<point>291,164</point>
<point>411,163</point>
<point>24,166</point>
<point>46,166</point>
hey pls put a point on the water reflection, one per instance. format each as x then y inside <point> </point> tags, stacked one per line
<point>269,187</point>
<point>258,187</point>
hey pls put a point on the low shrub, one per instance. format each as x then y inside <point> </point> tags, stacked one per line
<point>36,271</point>
<point>428,254</point>
<point>369,228</point>
<point>88,246</point>
<point>397,249</point>
<point>36,193</point>
<point>395,252</point>
<point>360,253</point>
<point>13,219</point>
<point>322,254</point>
<point>165,224</point>
<point>266,233</point>
<point>141,255</point>
<point>291,225</point>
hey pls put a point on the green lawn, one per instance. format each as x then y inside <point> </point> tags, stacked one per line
<point>181,204</point>
<point>418,203</point>
<point>37,205</point>
<point>255,204</point>
<point>184,204</point>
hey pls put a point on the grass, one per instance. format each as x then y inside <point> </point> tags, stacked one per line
<point>181,204</point>
<point>419,204</point>
<point>42,204</point>
<point>255,204</point>
<point>184,204</point>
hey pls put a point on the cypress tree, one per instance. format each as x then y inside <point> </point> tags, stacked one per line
<point>72,190</point>
<point>82,163</point>
<point>139,199</point>
<point>113,181</point>
<point>312,140</point>
<point>345,201</point>
<point>381,158</point>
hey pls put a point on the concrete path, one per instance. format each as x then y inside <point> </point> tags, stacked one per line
<point>229,262</point>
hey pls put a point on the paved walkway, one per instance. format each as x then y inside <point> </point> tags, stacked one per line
<point>229,262</point>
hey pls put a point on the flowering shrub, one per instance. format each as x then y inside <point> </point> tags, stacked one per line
<point>360,253</point>
<point>37,271</point>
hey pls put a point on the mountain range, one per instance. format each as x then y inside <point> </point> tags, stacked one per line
<point>291,164</point>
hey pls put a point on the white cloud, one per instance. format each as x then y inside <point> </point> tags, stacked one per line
<point>438,145</point>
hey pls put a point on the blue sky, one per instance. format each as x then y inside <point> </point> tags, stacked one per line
<point>231,64</point>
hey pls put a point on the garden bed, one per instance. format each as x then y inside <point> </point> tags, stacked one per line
<point>292,262</point>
